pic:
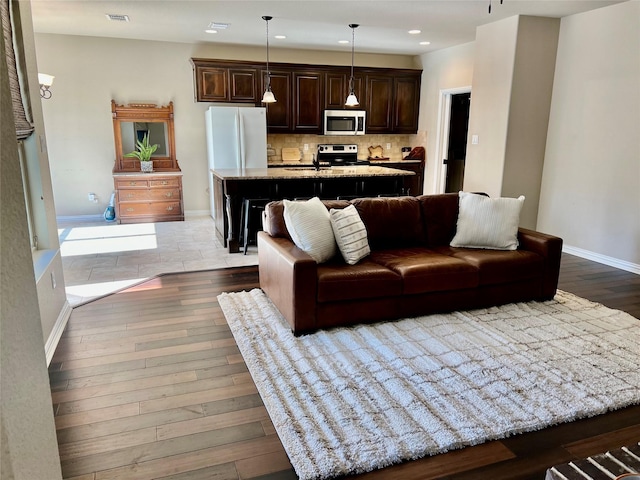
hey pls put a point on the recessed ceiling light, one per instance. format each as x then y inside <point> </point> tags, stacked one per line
<point>117,18</point>
<point>414,32</point>
<point>343,41</point>
<point>280,37</point>
<point>218,26</point>
<point>210,30</point>
<point>425,43</point>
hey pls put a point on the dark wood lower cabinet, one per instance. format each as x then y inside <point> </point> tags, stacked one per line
<point>230,192</point>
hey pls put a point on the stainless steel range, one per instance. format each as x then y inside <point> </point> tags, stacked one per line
<point>338,154</point>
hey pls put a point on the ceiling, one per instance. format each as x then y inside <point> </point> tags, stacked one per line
<point>307,24</point>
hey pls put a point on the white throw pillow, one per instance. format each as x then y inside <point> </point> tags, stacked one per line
<point>310,228</point>
<point>485,222</point>
<point>350,233</point>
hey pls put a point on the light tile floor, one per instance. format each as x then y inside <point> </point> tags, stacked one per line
<point>99,258</point>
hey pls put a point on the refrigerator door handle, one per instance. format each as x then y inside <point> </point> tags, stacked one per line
<point>243,160</point>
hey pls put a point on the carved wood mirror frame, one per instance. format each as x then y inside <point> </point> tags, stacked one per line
<point>144,113</point>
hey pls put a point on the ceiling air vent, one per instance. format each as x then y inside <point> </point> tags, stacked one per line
<point>218,26</point>
<point>117,18</point>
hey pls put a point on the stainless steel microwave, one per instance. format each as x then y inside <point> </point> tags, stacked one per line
<point>344,122</point>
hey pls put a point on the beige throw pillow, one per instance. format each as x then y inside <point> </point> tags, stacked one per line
<point>310,228</point>
<point>485,222</point>
<point>350,234</point>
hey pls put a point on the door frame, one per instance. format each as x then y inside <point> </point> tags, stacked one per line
<point>442,135</point>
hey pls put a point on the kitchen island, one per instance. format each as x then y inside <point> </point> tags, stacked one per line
<point>232,186</point>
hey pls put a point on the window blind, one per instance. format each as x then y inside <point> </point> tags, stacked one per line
<point>24,127</point>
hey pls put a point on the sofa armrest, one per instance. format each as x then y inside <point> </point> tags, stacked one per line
<point>549,247</point>
<point>289,278</point>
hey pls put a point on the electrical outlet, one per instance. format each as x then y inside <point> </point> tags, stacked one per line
<point>474,139</point>
<point>306,147</point>
<point>388,146</point>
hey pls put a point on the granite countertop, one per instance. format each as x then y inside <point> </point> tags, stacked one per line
<point>373,161</point>
<point>309,172</point>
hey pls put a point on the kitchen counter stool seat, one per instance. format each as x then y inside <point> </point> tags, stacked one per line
<point>251,219</point>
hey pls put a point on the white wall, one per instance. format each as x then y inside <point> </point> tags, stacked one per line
<point>442,70</point>
<point>91,71</point>
<point>512,79</point>
<point>29,445</point>
<point>490,99</point>
<point>590,191</point>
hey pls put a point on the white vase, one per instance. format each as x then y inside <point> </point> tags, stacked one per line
<point>146,167</point>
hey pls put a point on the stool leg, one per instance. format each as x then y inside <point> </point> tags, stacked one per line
<point>247,213</point>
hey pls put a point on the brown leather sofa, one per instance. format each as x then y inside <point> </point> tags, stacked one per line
<point>411,270</point>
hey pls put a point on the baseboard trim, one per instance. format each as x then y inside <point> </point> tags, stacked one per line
<point>56,332</point>
<point>197,213</point>
<point>606,260</point>
<point>80,218</point>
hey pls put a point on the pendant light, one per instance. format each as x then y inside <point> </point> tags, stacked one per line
<point>352,100</point>
<point>268,96</point>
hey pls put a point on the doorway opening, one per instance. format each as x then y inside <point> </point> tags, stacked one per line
<point>453,127</point>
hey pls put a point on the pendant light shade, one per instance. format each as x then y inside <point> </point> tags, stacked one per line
<point>268,96</point>
<point>352,100</point>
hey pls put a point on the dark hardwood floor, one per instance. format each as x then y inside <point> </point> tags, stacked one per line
<point>149,383</point>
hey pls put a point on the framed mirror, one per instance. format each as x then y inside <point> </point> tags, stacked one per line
<point>131,123</point>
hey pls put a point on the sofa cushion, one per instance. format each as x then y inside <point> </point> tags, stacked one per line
<point>310,228</point>
<point>338,281</point>
<point>440,214</point>
<point>391,221</point>
<point>485,222</point>
<point>500,266</point>
<point>424,270</point>
<point>350,233</point>
<point>273,217</point>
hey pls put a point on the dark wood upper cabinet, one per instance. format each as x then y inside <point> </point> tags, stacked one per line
<point>406,104</point>
<point>379,103</point>
<point>279,113</point>
<point>335,91</point>
<point>212,84</point>
<point>243,85</point>
<point>308,94</point>
<point>391,97</point>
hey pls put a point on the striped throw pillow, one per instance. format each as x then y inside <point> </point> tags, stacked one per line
<point>485,222</point>
<point>310,228</point>
<point>350,233</point>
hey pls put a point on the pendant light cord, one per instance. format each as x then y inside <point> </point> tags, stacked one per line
<point>353,41</point>
<point>266,19</point>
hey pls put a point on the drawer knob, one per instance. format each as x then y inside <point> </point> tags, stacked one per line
<point>164,182</point>
<point>130,209</point>
<point>169,208</point>
<point>129,195</point>
<point>168,194</point>
<point>133,183</point>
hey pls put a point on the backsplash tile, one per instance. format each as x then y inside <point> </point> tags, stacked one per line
<point>279,141</point>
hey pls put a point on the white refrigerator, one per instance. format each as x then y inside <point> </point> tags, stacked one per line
<point>236,139</point>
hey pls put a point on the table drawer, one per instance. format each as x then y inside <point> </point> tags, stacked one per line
<point>165,182</point>
<point>131,183</point>
<point>131,209</point>
<point>133,195</point>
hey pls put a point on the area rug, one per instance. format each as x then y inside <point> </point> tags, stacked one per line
<point>351,400</point>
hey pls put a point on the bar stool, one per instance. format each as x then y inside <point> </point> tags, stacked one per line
<point>251,219</point>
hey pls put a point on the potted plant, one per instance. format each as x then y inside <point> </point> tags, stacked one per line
<point>143,152</point>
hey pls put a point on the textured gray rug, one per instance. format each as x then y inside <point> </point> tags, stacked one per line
<point>351,400</point>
